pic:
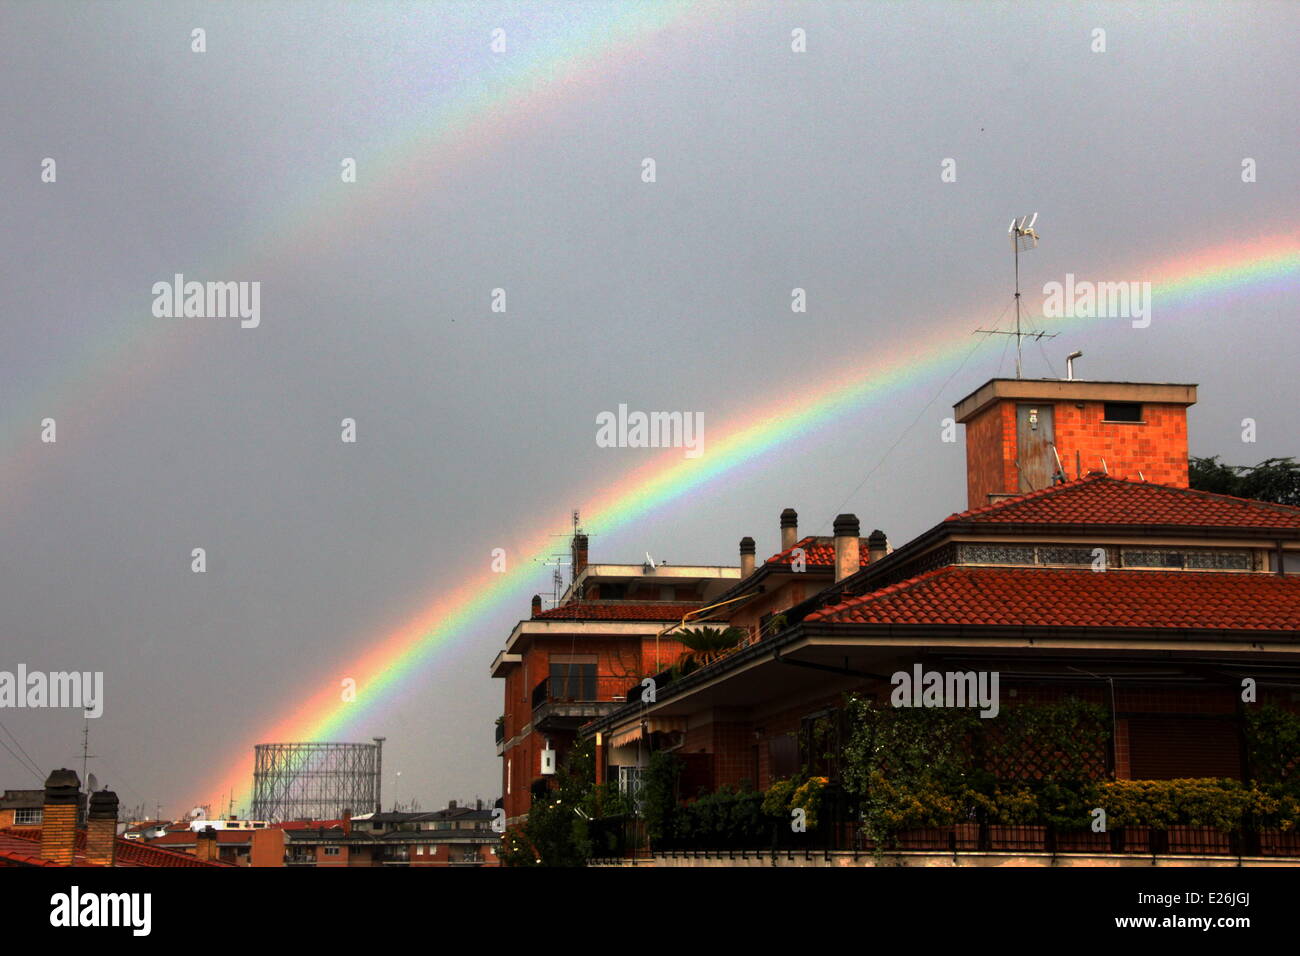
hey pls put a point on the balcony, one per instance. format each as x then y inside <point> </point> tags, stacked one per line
<point>560,704</point>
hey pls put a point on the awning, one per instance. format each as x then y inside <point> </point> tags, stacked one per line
<point>652,725</point>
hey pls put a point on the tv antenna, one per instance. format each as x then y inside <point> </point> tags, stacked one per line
<point>86,755</point>
<point>558,557</point>
<point>1023,237</point>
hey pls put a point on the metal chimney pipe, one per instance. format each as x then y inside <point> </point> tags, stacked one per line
<point>1069,365</point>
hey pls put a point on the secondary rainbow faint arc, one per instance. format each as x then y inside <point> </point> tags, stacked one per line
<point>429,142</point>
<point>399,654</point>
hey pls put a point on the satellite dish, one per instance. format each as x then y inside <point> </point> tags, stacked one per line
<point>92,784</point>
<point>650,561</point>
<point>196,813</point>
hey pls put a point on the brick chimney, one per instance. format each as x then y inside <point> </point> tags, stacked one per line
<point>59,819</point>
<point>746,557</point>
<point>789,528</point>
<point>877,546</point>
<point>101,829</point>
<point>846,546</point>
<point>1023,435</point>
<point>205,844</point>
<point>347,822</point>
<point>537,604</point>
<point>579,554</point>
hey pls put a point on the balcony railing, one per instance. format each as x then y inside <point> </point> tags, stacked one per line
<point>574,701</point>
<point>624,837</point>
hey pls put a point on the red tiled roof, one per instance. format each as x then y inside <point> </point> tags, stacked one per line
<point>1055,597</point>
<point>587,611</point>
<point>818,552</point>
<point>12,854</point>
<point>1102,500</point>
<point>19,842</point>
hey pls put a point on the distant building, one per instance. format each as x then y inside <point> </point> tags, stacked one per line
<point>21,808</point>
<point>579,660</point>
<point>456,836</point>
<point>58,839</point>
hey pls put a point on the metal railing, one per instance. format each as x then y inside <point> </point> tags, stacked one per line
<point>624,837</point>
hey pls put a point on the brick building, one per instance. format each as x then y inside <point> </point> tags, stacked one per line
<point>563,666</point>
<point>1119,586</point>
<point>21,808</point>
<point>60,841</point>
<point>455,836</point>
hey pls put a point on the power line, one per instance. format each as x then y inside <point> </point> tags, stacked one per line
<point>28,763</point>
<point>921,414</point>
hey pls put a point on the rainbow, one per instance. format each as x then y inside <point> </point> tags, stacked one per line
<point>572,60</point>
<point>393,659</point>
<point>563,62</point>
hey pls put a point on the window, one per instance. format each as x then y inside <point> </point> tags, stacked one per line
<point>629,784</point>
<point>28,817</point>
<point>572,681</point>
<point>819,744</point>
<point>1122,412</point>
<point>331,851</point>
<point>783,756</point>
<point>1198,559</point>
<point>1290,565</point>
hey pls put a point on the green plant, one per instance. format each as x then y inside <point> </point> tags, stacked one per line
<point>658,795</point>
<point>704,645</point>
<point>555,833</point>
<point>776,799</point>
<point>941,766</point>
<point>1273,745</point>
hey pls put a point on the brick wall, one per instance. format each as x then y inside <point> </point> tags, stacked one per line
<point>59,832</point>
<point>1156,447</point>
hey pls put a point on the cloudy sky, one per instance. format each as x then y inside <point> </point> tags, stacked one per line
<point>522,169</point>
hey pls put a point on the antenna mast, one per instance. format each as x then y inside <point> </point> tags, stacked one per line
<point>557,559</point>
<point>86,755</point>
<point>1024,237</point>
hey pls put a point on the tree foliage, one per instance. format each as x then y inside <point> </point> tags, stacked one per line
<point>1274,479</point>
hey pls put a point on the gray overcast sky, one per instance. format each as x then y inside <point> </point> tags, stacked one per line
<point>775,170</point>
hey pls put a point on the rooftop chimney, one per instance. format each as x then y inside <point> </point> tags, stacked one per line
<point>746,557</point>
<point>59,819</point>
<point>1024,435</point>
<point>579,554</point>
<point>877,546</point>
<point>347,821</point>
<point>101,829</point>
<point>537,604</point>
<point>789,528</point>
<point>846,546</point>
<point>205,844</point>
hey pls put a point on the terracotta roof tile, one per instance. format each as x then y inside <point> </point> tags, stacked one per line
<point>1102,500</point>
<point>15,842</point>
<point>818,551</point>
<point>1054,597</point>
